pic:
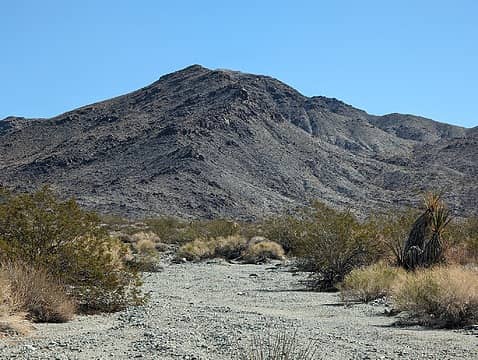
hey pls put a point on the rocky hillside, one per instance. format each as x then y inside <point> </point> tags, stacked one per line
<point>207,143</point>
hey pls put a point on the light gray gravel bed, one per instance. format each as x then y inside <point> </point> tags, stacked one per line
<point>209,311</point>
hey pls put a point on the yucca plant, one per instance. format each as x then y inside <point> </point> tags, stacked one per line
<point>424,246</point>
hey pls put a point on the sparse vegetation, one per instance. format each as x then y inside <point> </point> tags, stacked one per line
<point>333,243</point>
<point>172,230</point>
<point>34,291</point>
<point>233,247</point>
<point>262,251</point>
<point>230,247</point>
<point>424,246</point>
<point>68,243</point>
<point>444,296</point>
<point>280,346</point>
<point>369,283</point>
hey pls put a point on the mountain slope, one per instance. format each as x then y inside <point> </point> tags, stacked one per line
<point>207,143</point>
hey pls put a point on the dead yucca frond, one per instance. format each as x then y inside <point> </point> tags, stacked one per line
<point>432,200</point>
<point>280,346</point>
<point>441,217</point>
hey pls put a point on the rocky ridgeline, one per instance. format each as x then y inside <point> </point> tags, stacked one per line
<point>220,143</point>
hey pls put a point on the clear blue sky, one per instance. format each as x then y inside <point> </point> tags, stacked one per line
<point>406,56</point>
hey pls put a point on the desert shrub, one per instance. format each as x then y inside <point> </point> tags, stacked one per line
<point>172,230</point>
<point>445,296</point>
<point>369,283</point>
<point>6,306</point>
<point>145,246</point>
<point>393,228</point>
<point>145,257</point>
<point>36,292</point>
<point>333,243</point>
<point>462,241</point>
<point>196,250</point>
<point>285,230</point>
<point>280,346</point>
<point>262,251</point>
<point>230,247</point>
<point>216,228</point>
<point>71,246</point>
<point>145,236</point>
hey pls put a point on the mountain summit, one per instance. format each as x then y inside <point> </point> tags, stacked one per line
<point>209,143</point>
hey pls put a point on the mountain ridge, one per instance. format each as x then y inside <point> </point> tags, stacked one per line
<point>208,143</point>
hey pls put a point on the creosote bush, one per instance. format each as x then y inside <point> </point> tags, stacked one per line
<point>333,243</point>
<point>444,296</point>
<point>70,245</point>
<point>369,283</point>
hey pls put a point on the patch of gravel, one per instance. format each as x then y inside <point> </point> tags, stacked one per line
<point>210,310</point>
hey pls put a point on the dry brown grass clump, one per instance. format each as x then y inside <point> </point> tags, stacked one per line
<point>230,247</point>
<point>34,291</point>
<point>11,323</point>
<point>234,247</point>
<point>145,242</point>
<point>262,251</point>
<point>280,346</point>
<point>369,283</point>
<point>444,296</point>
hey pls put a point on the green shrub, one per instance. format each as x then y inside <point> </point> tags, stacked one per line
<point>172,230</point>
<point>393,229</point>
<point>70,245</point>
<point>445,296</point>
<point>369,283</point>
<point>334,243</point>
<point>287,231</point>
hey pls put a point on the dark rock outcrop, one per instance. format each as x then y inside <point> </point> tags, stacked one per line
<point>206,143</point>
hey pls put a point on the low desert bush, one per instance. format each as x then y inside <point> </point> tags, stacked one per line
<point>230,247</point>
<point>196,250</point>
<point>145,246</point>
<point>262,251</point>
<point>393,229</point>
<point>67,242</point>
<point>145,257</point>
<point>287,231</point>
<point>369,283</point>
<point>444,296</point>
<point>462,242</point>
<point>333,243</point>
<point>34,291</point>
<point>280,346</point>
<point>172,230</point>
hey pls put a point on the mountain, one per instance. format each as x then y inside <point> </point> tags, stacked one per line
<point>210,143</point>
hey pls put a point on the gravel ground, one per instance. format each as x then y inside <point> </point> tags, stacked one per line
<point>211,311</point>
